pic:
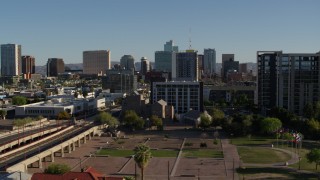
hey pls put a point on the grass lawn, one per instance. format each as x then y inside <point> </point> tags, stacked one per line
<point>262,155</point>
<point>273,173</point>
<point>126,153</point>
<point>202,153</point>
<point>164,153</point>
<point>306,147</point>
<point>253,141</point>
<point>116,152</point>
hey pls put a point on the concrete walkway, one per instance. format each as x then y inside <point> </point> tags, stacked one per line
<point>231,158</point>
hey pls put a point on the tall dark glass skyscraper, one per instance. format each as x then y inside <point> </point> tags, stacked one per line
<point>288,80</point>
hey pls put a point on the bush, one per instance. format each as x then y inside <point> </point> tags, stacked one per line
<point>120,142</point>
<point>188,144</point>
<point>57,169</point>
<point>203,145</point>
<point>215,141</point>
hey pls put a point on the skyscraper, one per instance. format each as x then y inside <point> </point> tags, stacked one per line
<point>96,62</point>
<point>288,80</point>
<point>209,61</point>
<point>28,64</point>
<point>229,64</point>
<point>55,66</point>
<point>145,66</point>
<point>169,46</point>
<point>127,62</point>
<point>200,65</point>
<point>164,60</point>
<point>10,60</point>
<point>186,66</point>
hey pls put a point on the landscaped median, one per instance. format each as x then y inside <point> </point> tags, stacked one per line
<point>128,153</point>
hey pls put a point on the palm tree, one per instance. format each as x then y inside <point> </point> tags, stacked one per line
<point>142,156</point>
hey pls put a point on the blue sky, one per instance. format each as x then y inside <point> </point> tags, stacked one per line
<point>65,28</point>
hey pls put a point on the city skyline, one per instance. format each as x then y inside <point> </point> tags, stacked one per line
<point>66,29</point>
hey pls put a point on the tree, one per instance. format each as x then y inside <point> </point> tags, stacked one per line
<point>317,110</point>
<point>107,118</point>
<point>314,156</point>
<point>156,121</point>
<point>241,100</point>
<point>3,114</point>
<point>269,125</point>
<point>313,128</point>
<point>246,124</point>
<point>217,116</point>
<point>132,120</point>
<point>142,156</point>
<point>63,115</point>
<point>205,121</point>
<point>19,100</point>
<point>76,94</point>
<point>84,94</point>
<point>308,110</point>
<point>57,169</point>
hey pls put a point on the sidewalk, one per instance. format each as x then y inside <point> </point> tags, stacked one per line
<point>231,158</point>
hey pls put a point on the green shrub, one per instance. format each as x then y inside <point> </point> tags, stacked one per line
<point>188,144</point>
<point>203,145</point>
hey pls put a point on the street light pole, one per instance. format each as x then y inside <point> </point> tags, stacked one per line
<point>135,170</point>
<point>80,164</point>
<point>299,162</point>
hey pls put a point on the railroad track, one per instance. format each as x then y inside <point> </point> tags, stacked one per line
<point>36,149</point>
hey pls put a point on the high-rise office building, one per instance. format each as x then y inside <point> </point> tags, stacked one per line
<point>10,59</point>
<point>169,46</point>
<point>127,62</point>
<point>145,66</point>
<point>28,64</point>
<point>209,61</point>
<point>186,66</point>
<point>243,68</point>
<point>119,81</point>
<point>200,65</point>
<point>55,66</point>
<point>165,60</point>
<point>96,62</point>
<point>288,80</point>
<point>229,64</point>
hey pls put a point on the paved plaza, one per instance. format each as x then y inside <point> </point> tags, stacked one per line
<point>180,167</point>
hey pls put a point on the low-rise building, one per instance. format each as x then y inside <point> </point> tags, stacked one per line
<point>182,95</point>
<point>228,92</point>
<point>53,107</point>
